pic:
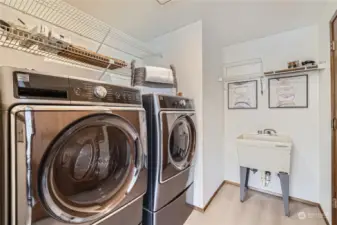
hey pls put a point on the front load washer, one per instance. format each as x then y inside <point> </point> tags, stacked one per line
<point>172,146</point>
<point>73,151</point>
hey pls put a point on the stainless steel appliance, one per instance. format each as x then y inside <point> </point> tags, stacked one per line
<point>172,145</point>
<point>73,151</point>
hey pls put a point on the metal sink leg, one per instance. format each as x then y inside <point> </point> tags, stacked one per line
<point>244,178</point>
<point>284,178</point>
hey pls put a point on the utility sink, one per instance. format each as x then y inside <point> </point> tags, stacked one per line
<point>265,152</point>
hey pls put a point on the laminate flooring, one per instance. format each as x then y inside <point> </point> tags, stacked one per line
<point>258,209</point>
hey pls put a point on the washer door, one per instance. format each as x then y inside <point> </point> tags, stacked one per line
<point>178,141</point>
<point>90,168</point>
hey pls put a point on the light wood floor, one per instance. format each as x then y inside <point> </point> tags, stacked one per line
<point>258,209</point>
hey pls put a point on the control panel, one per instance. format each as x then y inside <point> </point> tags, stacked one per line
<point>39,86</point>
<point>175,102</point>
<point>81,90</point>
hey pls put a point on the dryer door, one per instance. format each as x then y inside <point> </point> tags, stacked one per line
<point>90,168</point>
<point>178,143</point>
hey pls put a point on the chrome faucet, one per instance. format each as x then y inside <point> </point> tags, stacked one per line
<point>270,131</point>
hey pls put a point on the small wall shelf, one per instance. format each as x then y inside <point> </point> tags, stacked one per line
<point>295,70</point>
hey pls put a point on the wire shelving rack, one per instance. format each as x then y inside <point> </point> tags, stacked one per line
<point>65,16</point>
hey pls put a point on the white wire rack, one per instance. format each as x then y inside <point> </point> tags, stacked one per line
<point>22,40</point>
<point>65,16</point>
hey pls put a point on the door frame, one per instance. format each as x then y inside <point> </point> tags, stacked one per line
<point>333,117</point>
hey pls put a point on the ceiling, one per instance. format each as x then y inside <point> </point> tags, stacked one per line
<point>225,22</point>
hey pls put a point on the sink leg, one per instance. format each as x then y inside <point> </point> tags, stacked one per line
<point>284,178</point>
<point>244,178</point>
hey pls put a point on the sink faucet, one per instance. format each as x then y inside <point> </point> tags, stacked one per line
<point>270,131</point>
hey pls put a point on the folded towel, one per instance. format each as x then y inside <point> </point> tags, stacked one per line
<point>159,75</point>
<point>153,90</point>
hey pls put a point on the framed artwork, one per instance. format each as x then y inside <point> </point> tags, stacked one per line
<point>242,95</point>
<point>288,92</point>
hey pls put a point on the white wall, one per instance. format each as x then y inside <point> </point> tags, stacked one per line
<point>9,57</point>
<point>183,48</point>
<point>213,115</point>
<point>301,124</point>
<point>325,112</point>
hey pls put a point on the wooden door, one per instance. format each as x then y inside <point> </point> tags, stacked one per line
<point>333,45</point>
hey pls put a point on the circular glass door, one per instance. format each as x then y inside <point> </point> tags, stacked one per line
<point>90,168</point>
<point>182,142</point>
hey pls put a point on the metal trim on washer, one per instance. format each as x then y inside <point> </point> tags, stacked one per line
<point>184,162</point>
<point>134,173</point>
<point>118,210</point>
<point>157,109</point>
<point>104,104</point>
<point>4,146</point>
<point>13,169</point>
<point>184,113</point>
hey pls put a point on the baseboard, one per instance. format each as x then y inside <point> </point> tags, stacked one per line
<point>324,216</point>
<point>232,183</point>
<point>275,194</point>
<point>202,210</point>
<point>213,196</point>
<point>291,198</point>
<point>196,208</point>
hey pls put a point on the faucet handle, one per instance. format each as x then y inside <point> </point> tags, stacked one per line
<point>270,131</point>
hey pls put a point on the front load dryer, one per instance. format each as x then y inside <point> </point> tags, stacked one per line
<point>172,147</point>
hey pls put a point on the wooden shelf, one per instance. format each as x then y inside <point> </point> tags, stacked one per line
<point>295,70</point>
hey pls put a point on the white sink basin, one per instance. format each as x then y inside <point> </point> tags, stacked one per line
<point>265,152</point>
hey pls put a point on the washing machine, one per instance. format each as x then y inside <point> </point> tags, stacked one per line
<point>73,151</point>
<point>172,146</point>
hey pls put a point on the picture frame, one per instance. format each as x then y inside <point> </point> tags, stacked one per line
<point>242,95</point>
<point>288,92</point>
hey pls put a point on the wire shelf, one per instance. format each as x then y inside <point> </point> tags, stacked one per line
<point>22,40</point>
<point>68,17</point>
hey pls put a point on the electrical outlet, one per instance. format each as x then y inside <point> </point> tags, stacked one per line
<point>265,178</point>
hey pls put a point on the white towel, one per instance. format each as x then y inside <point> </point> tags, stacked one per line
<point>151,90</point>
<point>159,75</point>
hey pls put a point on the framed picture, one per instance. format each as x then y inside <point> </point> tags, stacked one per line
<point>242,95</point>
<point>288,92</point>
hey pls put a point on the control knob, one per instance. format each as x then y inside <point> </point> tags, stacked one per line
<point>100,92</point>
<point>118,95</point>
<point>77,91</point>
<point>182,103</point>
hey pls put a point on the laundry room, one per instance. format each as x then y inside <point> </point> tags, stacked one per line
<point>168,112</point>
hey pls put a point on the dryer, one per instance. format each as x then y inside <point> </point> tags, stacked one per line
<point>172,147</point>
<point>73,151</point>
